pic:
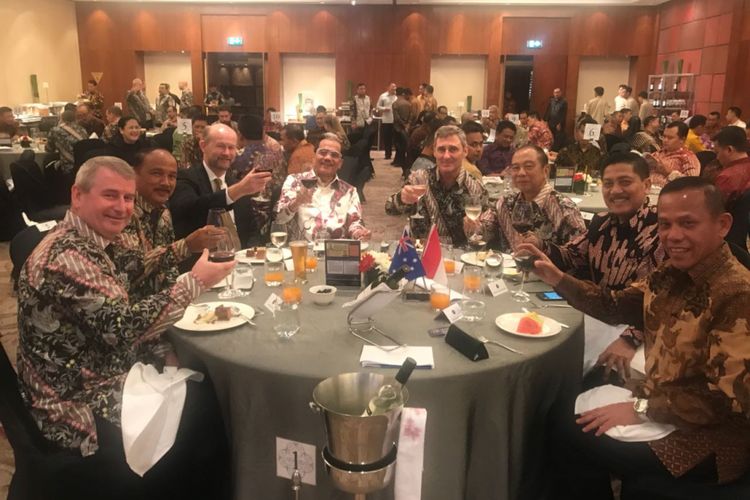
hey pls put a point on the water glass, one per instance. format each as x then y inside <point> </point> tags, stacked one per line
<point>274,273</point>
<point>291,292</point>
<point>493,266</point>
<point>440,297</point>
<point>243,278</point>
<point>473,310</point>
<point>472,280</point>
<point>286,320</point>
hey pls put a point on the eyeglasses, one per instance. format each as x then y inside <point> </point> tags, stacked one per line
<point>327,152</point>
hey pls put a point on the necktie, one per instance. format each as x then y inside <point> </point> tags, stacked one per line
<point>218,184</point>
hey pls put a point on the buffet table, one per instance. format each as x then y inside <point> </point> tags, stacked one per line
<point>486,420</point>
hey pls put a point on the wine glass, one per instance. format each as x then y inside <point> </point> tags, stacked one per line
<point>522,217</point>
<point>525,264</point>
<point>278,234</point>
<point>421,185</point>
<point>261,195</point>
<point>473,208</point>
<point>224,250</point>
<point>307,210</point>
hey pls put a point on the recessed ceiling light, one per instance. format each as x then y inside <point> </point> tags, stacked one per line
<point>354,2</point>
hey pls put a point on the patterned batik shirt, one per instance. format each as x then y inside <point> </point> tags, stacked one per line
<point>584,161</point>
<point>645,142</point>
<point>61,140</point>
<point>186,99</point>
<point>96,99</point>
<point>680,163</point>
<point>191,152</point>
<point>80,332</point>
<point>163,102</point>
<point>150,231</point>
<point>334,211</point>
<point>611,253</point>
<point>696,326</point>
<point>442,206</point>
<point>540,135</point>
<point>138,105</point>
<point>110,131</point>
<point>557,220</point>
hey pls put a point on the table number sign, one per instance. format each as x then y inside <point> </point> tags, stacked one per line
<point>564,178</point>
<point>592,131</point>
<point>684,113</point>
<point>185,126</point>
<point>276,116</point>
<point>342,263</point>
<point>485,113</point>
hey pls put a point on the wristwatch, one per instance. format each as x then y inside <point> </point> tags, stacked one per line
<point>640,406</point>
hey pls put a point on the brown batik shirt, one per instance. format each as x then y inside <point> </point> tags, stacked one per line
<point>696,327</point>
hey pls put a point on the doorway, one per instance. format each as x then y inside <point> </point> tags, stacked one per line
<point>239,78</point>
<point>519,82</point>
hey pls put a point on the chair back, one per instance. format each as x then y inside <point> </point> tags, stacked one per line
<point>704,158</point>
<point>30,188</point>
<point>82,150</point>
<point>23,434</point>
<point>740,230</point>
<point>21,247</point>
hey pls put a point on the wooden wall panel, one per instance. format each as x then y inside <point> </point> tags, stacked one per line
<point>553,32</point>
<point>216,30</point>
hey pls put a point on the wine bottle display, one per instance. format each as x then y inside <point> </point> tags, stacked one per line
<point>391,396</point>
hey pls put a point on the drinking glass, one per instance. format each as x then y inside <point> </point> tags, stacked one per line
<point>299,258</point>
<point>473,208</point>
<point>261,196</point>
<point>522,217</point>
<point>274,272</point>
<point>278,234</point>
<point>421,184</point>
<point>224,251</point>
<point>472,279</point>
<point>493,266</point>
<point>311,259</point>
<point>448,260</point>
<point>291,292</point>
<point>286,321</point>
<point>525,264</point>
<point>439,297</point>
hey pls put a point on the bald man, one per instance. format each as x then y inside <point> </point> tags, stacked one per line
<point>138,104</point>
<point>209,185</point>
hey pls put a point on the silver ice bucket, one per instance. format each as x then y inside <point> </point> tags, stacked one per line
<point>351,437</point>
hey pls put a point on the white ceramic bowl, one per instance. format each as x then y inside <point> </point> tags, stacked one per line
<point>323,298</point>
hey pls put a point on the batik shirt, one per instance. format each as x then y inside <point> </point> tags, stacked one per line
<point>680,163</point>
<point>96,99</point>
<point>110,131</point>
<point>334,208</point>
<point>556,218</point>
<point>584,161</point>
<point>695,326</point>
<point>191,152</point>
<point>645,142</point>
<point>441,206</point>
<point>540,135</point>
<point>611,253</point>
<point>186,99</point>
<point>61,140</point>
<point>138,105</point>
<point>80,332</point>
<point>150,231</point>
<point>163,102</point>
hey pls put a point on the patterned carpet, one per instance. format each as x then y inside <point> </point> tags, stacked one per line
<point>386,182</point>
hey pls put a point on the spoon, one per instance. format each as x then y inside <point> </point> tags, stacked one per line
<point>485,340</point>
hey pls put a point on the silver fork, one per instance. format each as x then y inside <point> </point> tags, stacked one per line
<point>546,306</point>
<point>485,340</point>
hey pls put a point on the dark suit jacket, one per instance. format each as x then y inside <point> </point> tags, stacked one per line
<point>192,198</point>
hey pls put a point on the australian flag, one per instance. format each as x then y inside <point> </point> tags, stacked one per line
<point>406,253</point>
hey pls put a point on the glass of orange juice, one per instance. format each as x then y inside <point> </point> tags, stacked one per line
<point>439,297</point>
<point>274,273</point>
<point>472,279</point>
<point>291,293</point>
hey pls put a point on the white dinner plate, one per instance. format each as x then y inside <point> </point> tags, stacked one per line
<point>471,259</point>
<point>243,258</point>
<point>509,323</point>
<point>492,179</point>
<point>188,319</point>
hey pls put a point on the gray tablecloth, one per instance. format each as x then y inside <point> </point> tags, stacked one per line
<point>593,203</point>
<point>485,421</point>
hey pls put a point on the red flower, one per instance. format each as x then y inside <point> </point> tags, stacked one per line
<point>578,177</point>
<point>366,262</point>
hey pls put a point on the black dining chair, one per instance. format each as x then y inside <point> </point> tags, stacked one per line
<point>652,488</point>
<point>21,247</point>
<point>704,158</point>
<point>740,230</point>
<point>33,192</point>
<point>45,472</point>
<point>85,149</point>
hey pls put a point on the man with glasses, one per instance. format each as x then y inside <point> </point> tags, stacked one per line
<point>555,218</point>
<point>317,203</point>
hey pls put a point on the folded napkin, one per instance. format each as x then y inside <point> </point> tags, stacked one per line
<point>373,356</point>
<point>638,363</point>
<point>610,394</point>
<point>426,283</point>
<point>152,404</point>
<point>597,337</point>
<point>410,457</point>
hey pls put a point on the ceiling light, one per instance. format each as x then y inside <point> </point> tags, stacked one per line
<point>354,2</point>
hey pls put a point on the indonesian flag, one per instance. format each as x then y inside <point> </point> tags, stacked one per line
<point>432,258</point>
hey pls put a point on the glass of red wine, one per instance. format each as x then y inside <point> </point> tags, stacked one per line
<point>525,264</point>
<point>261,196</point>
<point>224,251</point>
<point>522,217</point>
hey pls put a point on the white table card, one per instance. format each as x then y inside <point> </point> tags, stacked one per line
<point>497,287</point>
<point>273,302</point>
<point>453,312</point>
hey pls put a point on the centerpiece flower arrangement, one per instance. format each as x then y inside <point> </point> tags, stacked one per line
<point>374,267</point>
<point>580,180</point>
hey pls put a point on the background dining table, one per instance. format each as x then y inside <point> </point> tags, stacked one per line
<point>486,421</point>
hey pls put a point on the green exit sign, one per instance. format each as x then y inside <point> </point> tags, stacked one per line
<point>235,41</point>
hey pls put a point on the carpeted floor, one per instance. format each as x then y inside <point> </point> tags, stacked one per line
<point>386,181</point>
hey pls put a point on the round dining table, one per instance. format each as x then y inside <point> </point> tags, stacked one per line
<point>486,422</point>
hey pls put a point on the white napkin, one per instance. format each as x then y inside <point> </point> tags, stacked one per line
<point>410,457</point>
<point>373,356</point>
<point>426,283</point>
<point>610,394</point>
<point>152,405</point>
<point>638,363</point>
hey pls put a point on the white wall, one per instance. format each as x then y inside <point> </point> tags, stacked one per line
<point>455,77</point>
<point>39,37</point>
<point>313,76</point>
<point>607,72</point>
<point>165,67</point>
